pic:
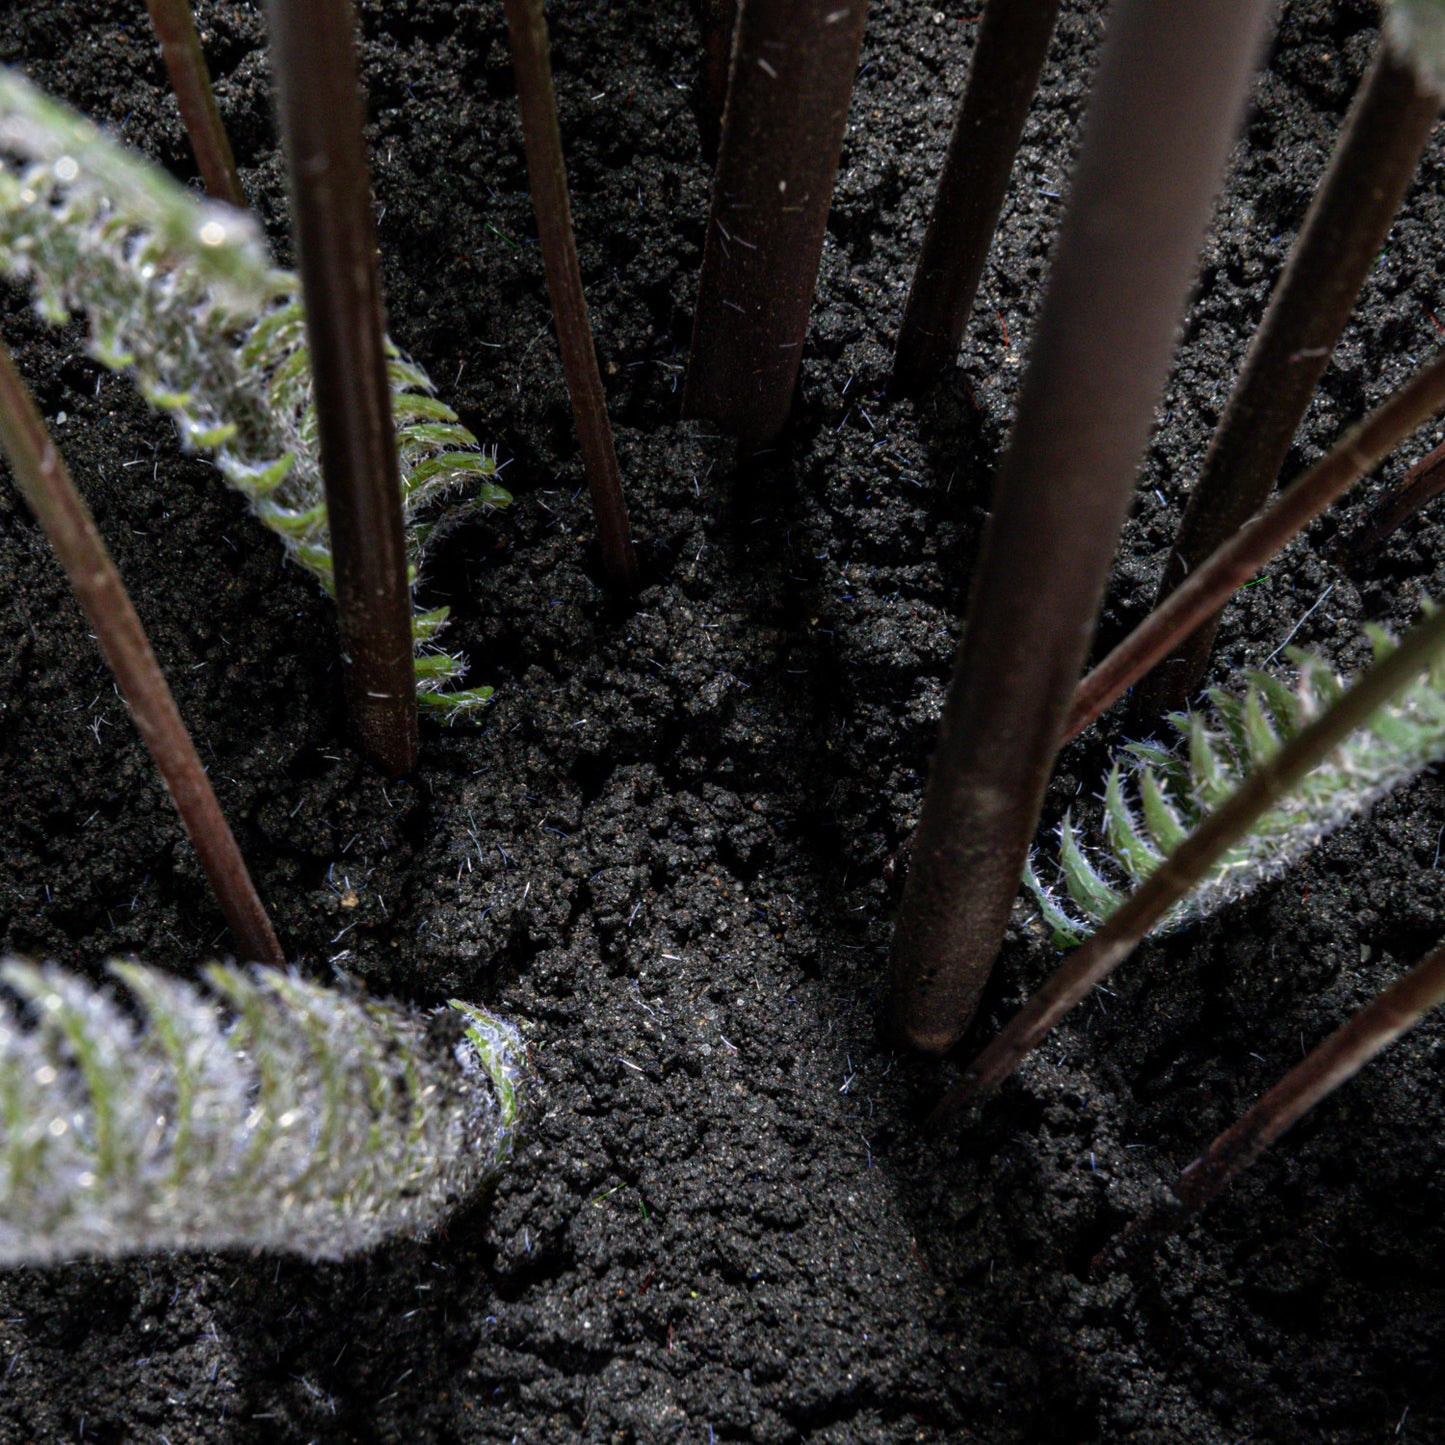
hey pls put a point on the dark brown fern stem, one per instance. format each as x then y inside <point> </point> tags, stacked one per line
<point>1241,555</point>
<point>44,482</point>
<point>1418,488</point>
<point>719,25</point>
<point>1335,1061</point>
<point>1179,873</point>
<point>175,28</point>
<point>793,64</point>
<point>1166,105</point>
<point>1003,75</point>
<point>313,50</point>
<point>547,173</point>
<point>1373,163</point>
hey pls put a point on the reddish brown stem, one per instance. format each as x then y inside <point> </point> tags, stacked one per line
<point>1377,154</point>
<point>313,51</point>
<point>793,64</point>
<point>1420,486</point>
<point>1166,103</point>
<point>1338,1059</point>
<point>719,25</point>
<point>44,482</point>
<point>542,139</point>
<point>185,63</point>
<point>1234,563</point>
<point>1003,75</point>
<point>1187,865</point>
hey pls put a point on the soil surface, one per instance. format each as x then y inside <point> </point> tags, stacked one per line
<point>667,848</point>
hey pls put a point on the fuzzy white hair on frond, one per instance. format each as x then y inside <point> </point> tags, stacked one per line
<point>179,293</point>
<point>269,1113</point>
<point>1155,796</point>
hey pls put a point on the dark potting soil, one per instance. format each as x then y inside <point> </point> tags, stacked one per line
<point>668,846</point>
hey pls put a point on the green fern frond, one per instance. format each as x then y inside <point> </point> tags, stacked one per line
<point>1154,797</point>
<point>295,1118</point>
<point>180,294</point>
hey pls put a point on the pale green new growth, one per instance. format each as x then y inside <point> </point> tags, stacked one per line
<point>296,1119</point>
<point>1155,797</point>
<point>179,293</point>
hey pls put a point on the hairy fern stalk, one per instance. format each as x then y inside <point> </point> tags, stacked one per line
<point>1155,797</point>
<point>295,1118</point>
<point>180,294</point>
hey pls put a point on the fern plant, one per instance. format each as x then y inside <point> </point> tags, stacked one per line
<point>311,1122</point>
<point>1156,796</point>
<point>179,293</point>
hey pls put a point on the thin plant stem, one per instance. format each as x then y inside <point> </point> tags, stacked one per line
<point>1419,487</point>
<point>793,64</point>
<point>1171,88</point>
<point>1374,160</point>
<point>313,51</point>
<point>1339,1058</point>
<point>1182,869</point>
<point>542,140</point>
<point>44,482</point>
<point>175,28</point>
<point>719,25</point>
<point>1242,555</point>
<point>1003,75</point>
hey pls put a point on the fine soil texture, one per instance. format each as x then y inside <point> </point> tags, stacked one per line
<point>670,848</point>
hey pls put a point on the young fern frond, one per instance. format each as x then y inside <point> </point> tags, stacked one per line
<point>1154,797</point>
<point>179,294</point>
<point>312,1122</point>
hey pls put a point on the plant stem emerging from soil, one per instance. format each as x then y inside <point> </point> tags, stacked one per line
<point>792,75</point>
<point>1243,554</point>
<point>1003,75</point>
<point>719,25</point>
<point>542,139</point>
<point>1339,1058</point>
<point>190,78</point>
<point>314,55</point>
<point>1166,103</point>
<point>1421,485</point>
<point>41,475</point>
<point>1187,864</point>
<point>1374,160</point>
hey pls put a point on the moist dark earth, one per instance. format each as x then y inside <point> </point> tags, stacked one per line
<point>668,847</point>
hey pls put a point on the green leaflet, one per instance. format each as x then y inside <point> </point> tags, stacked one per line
<point>180,294</point>
<point>1086,887</point>
<point>1155,797</point>
<point>297,1118</point>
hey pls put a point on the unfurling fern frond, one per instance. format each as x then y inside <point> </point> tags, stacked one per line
<point>179,293</point>
<point>1155,797</point>
<point>278,1115</point>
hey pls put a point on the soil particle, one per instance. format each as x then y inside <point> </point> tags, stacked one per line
<point>668,847</point>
